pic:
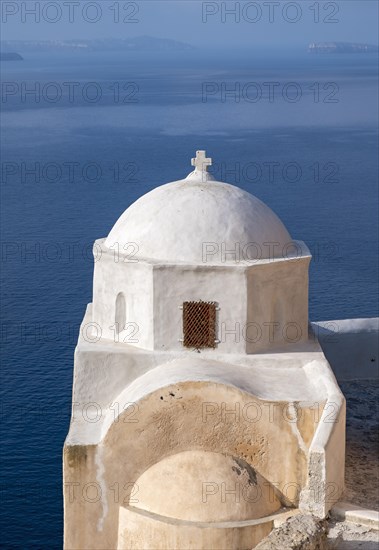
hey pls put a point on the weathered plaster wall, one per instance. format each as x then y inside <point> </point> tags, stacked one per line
<point>277,304</point>
<point>175,284</point>
<point>114,273</point>
<point>103,369</point>
<point>169,421</point>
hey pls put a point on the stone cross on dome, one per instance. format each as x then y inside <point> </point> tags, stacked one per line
<point>201,162</point>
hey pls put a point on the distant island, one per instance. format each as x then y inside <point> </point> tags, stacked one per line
<point>10,56</point>
<point>341,47</point>
<point>139,43</point>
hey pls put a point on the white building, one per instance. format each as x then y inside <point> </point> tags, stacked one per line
<point>203,405</point>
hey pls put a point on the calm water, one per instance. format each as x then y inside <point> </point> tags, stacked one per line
<point>313,161</point>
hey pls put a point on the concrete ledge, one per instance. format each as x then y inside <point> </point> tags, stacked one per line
<point>345,511</point>
<point>351,347</point>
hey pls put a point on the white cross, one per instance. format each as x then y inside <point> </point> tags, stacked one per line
<point>201,162</point>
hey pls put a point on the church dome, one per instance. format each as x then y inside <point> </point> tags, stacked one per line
<point>200,220</point>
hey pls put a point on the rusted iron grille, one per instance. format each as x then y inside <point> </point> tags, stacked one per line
<point>199,324</point>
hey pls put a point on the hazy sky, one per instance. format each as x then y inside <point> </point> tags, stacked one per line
<point>231,24</point>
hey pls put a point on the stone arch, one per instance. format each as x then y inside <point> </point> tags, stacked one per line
<point>185,415</point>
<point>202,415</point>
<point>185,405</point>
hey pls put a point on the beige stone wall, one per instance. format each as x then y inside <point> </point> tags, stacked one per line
<point>277,304</point>
<point>189,415</point>
<point>175,284</point>
<point>116,273</point>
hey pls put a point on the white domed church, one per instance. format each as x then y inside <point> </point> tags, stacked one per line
<point>203,406</point>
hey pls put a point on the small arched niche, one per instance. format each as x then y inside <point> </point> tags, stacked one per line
<point>120,312</point>
<point>205,486</point>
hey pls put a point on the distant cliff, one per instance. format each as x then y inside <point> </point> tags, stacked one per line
<point>10,56</point>
<point>139,43</point>
<point>341,47</point>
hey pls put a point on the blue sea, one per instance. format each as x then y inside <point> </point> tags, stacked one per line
<point>86,134</point>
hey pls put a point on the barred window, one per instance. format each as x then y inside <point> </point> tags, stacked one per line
<point>199,324</point>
